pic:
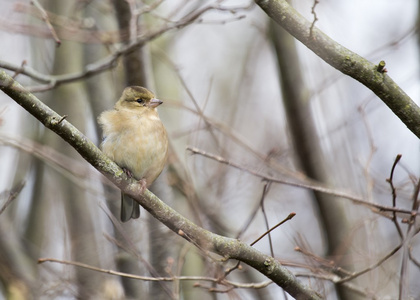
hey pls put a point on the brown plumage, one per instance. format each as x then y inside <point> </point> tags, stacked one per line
<point>135,138</point>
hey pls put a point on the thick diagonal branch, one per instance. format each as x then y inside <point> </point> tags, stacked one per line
<point>226,247</point>
<point>345,61</point>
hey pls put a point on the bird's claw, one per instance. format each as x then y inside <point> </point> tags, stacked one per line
<point>143,185</point>
<point>142,181</point>
<point>128,172</point>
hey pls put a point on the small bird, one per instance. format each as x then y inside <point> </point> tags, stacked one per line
<point>135,138</point>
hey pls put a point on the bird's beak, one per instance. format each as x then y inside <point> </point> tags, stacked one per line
<point>155,102</point>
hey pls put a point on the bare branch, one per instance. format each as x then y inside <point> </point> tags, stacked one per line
<point>315,16</point>
<point>345,61</point>
<point>12,194</point>
<point>47,21</point>
<point>109,62</point>
<point>304,184</point>
<point>172,278</point>
<point>289,217</point>
<point>373,266</point>
<point>226,247</point>
<point>394,195</point>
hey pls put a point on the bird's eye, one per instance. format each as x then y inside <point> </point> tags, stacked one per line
<point>140,100</point>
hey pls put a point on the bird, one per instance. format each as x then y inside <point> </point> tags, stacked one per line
<point>135,138</point>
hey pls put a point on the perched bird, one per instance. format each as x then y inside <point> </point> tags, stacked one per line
<point>135,138</point>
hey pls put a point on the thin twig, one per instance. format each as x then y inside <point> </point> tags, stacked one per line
<point>72,169</point>
<point>199,111</point>
<point>409,235</point>
<point>46,19</point>
<point>289,217</point>
<point>133,21</point>
<point>252,215</point>
<point>147,278</point>
<point>372,151</point>
<point>324,263</point>
<point>108,62</point>
<point>266,188</point>
<point>249,221</point>
<point>412,258</point>
<point>373,266</point>
<point>390,180</point>
<point>306,184</point>
<point>230,270</point>
<point>416,200</point>
<point>13,193</point>
<point>335,279</point>
<point>17,72</point>
<point>315,17</point>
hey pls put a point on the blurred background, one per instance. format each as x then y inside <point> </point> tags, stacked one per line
<point>236,86</point>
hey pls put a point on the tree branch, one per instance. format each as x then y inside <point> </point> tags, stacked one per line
<point>171,278</point>
<point>345,61</point>
<point>226,247</point>
<point>109,62</point>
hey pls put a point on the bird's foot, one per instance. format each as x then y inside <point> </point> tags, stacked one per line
<point>143,184</point>
<point>128,172</point>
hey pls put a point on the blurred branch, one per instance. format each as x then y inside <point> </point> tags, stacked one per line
<point>334,278</point>
<point>11,195</point>
<point>390,180</point>
<point>228,248</point>
<point>412,230</point>
<point>108,62</point>
<point>373,266</point>
<point>172,278</point>
<point>345,61</point>
<point>412,258</point>
<point>328,269</point>
<point>306,184</point>
<point>45,18</point>
<point>71,169</point>
<point>92,69</point>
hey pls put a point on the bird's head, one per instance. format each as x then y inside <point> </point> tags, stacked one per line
<point>138,98</point>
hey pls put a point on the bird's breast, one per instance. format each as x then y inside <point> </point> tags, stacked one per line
<point>138,143</point>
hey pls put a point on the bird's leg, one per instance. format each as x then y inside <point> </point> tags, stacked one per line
<point>128,172</point>
<point>143,184</point>
<point>142,181</point>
